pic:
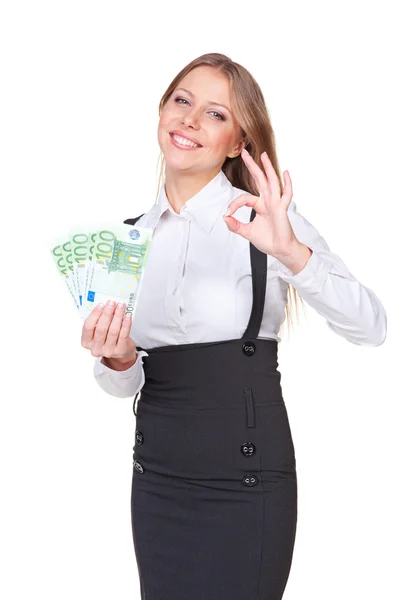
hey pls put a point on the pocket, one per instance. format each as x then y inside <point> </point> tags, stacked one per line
<point>250,407</point>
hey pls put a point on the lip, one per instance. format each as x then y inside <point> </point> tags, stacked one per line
<point>183,135</point>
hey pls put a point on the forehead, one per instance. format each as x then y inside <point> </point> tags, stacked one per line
<point>208,84</point>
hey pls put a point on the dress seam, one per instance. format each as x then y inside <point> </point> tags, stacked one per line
<point>191,408</point>
<point>256,597</point>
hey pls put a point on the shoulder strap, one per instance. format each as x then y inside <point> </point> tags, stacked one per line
<point>259,280</point>
<point>132,221</point>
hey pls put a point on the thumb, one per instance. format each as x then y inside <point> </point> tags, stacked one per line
<point>236,226</point>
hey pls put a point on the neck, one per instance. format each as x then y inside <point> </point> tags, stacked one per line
<point>180,186</point>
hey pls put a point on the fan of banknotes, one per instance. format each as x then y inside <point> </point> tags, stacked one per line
<point>102,262</point>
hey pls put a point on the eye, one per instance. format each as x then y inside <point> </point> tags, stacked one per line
<point>219,116</point>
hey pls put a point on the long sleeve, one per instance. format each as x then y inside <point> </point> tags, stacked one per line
<point>121,384</point>
<point>351,309</point>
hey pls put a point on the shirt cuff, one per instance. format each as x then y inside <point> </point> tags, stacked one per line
<point>312,277</point>
<point>99,368</point>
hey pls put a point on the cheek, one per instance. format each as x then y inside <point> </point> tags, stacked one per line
<point>163,119</point>
<point>163,126</point>
<point>221,139</point>
<point>167,115</point>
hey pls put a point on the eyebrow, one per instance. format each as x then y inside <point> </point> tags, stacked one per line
<point>210,102</point>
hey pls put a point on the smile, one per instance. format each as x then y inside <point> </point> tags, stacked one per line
<point>181,142</point>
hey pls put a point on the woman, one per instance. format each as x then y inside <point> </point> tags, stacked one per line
<point>214,489</point>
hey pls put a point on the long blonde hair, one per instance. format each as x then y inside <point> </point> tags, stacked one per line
<point>250,111</point>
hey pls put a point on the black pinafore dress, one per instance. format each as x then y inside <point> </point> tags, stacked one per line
<point>214,487</point>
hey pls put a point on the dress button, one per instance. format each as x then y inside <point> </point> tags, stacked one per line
<point>248,449</point>
<point>248,348</point>
<point>139,437</point>
<point>250,479</point>
<point>138,467</point>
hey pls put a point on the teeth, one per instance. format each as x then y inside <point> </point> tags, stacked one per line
<point>183,141</point>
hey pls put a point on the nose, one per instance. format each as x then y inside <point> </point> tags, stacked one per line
<point>191,119</point>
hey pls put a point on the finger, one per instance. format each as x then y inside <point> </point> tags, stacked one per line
<point>113,330</point>
<point>236,226</point>
<point>271,175</point>
<point>232,223</point>
<point>90,324</point>
<point>101,330</point>
<point>242,200</point>
<point>256,172</point>
<point>287,195</point>
<point>124,333</point>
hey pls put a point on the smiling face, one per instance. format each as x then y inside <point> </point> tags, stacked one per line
<point>199,109</point>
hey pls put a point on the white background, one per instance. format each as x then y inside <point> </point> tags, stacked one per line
<point>81,82</point>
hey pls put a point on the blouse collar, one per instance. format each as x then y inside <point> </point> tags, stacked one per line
<point>205,206</point>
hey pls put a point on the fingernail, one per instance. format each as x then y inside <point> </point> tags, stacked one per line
<point>227,213</point>
<point>100,305</point>
<point>120,305</point>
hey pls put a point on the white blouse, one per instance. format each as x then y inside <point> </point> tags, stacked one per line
<point>197,285</point>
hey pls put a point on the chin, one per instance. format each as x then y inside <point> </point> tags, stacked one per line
<point>174,166</point>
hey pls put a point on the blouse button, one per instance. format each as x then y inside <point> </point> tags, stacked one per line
<point>139,437</point>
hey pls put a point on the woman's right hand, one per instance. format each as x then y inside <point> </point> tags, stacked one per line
<point>106,332</point>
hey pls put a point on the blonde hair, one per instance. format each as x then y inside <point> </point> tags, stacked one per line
<point>250,111</point>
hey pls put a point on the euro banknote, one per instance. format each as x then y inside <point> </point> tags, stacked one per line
<point>63,261</point>
<point>101,262</point>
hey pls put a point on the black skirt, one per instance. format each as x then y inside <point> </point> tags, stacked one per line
<point>214,489</point>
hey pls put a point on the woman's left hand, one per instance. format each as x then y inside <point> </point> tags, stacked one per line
<point>270,231</point>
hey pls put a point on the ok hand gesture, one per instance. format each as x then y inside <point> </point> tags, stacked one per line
<point>270,231</point>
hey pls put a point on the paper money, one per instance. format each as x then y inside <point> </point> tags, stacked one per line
<point>117,266</point>
<point>103,262</point>
<point>66,271</point>
<point>81,246</point>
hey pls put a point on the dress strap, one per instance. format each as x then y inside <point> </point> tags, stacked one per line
<point>259,278</point>
<point>132,221</point>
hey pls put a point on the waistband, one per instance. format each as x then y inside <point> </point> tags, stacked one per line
<point>212,374</point>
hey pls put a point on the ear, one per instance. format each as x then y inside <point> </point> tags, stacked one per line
<point>238,148</point>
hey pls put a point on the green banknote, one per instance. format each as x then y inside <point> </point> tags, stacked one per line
<point>65,269</point>
<point>82,246</point>
<point>102,262</point>
<point>117,266</point>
